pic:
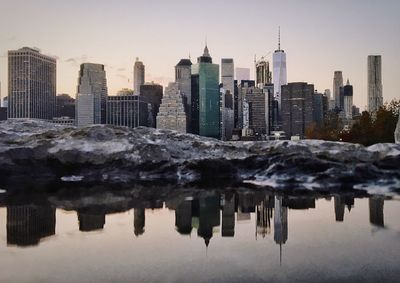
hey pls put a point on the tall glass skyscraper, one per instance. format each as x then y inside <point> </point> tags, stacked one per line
<point>279,73</point>
<point>91,99</point>
<point>337,85</point>
<point>31,84</point>
<point>205,97</point>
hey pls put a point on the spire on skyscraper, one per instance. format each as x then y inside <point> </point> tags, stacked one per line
<point>279,38</point>
<point>348,82</point>
<point>206,53</point>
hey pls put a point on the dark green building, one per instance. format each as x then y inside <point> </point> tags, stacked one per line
<point>205,97</point>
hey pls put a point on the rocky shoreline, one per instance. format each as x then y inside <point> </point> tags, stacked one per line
<point>33,152</point>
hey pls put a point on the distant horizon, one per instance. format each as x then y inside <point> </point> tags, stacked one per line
<point>338,36</point>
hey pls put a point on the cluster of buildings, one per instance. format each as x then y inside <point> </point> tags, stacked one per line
<point>206,98</point>
<point>208,214</point>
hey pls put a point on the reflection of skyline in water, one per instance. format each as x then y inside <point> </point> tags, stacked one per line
<point>205,212</point>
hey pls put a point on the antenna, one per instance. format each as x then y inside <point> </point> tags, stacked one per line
<point>279,38</point>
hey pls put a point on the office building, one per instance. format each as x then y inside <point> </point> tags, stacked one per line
<point>279,72</point>
<point>263,74</point>
<point>128,110</point>
<point>183,74</point>
<point>227,74</point>
<point>171,115</point>
<point>91,99</point>
<point>348,101</point>
<point>138,76</point>
<point>152,93</point>
<point>297,108</point>
<point>256,104</point>
<point>227,114</point>
<point>375,88</point>
<point>205,97</point>
<point>318,108</point>
<point>31,84</point>
<point>337,84</point>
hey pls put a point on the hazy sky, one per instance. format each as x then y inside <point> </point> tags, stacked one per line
<point>319,37</point>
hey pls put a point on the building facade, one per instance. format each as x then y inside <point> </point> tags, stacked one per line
<point>31,84</point>
<point>152,93</point>
<point>138,76</point>
<point>128,111</point>
<point>348,101</point>
<point>183,74</point>
<point>91,99</point>
<point>205,97</point>
<point>171,115</point>
<point>375,88</point>
<point>297,108</point>
<point>337,84</point>
<point>263,74</point>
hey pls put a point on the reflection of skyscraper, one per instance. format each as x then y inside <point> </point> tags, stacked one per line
<point>280,222</point>
<point>209,217</point>
<point>27,224</point>
<point>183,217</point>
<point>264,216</point>
<point>376,210</point>
<point>228,216</point>
<point>91,220</point>
<point>339,209</point>
<point>139,221</point>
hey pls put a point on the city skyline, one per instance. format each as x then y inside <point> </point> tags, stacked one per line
<point>337,37</point>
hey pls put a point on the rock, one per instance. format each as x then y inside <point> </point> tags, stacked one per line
<point>397,132</point>
<point>31,151</point>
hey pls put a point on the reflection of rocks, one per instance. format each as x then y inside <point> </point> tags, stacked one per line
<point>27,224</point>
<point>118,155</point>
<point>376,210</point>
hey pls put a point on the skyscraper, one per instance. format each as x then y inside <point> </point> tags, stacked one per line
<point>337,84</point>
<point>348,100</point>
<point>375,96</point>
<point>91,99</point>
<point>31,84</point>
<point>297,108</point>
<point>279,72</point>
<point>152,93</point>
<point>171,115</point>
<point>227,102</point>
<point>263,74</point>
<point>138,76</point>
<point>205,97</point>
<point>227,74</point>
<point>183,73</point>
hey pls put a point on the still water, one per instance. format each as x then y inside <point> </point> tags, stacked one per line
<point>200,236</point>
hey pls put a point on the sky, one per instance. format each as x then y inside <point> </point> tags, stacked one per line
<point>318,36</point>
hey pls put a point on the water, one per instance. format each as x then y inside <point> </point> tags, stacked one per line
<point>167,235</point>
